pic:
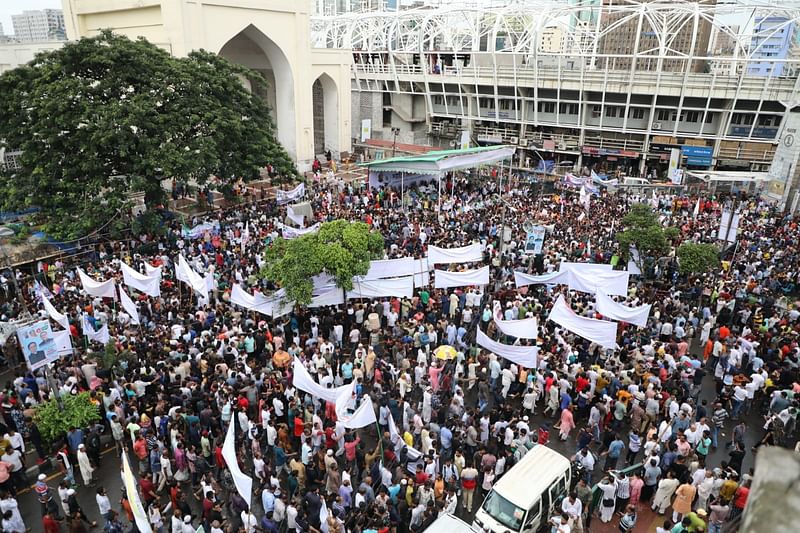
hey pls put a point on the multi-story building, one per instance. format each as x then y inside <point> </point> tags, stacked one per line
<point>620,94</point>
<point>37,26</point>
<point>772,42</point>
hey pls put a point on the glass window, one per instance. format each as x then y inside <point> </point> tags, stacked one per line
<point>504,511</point>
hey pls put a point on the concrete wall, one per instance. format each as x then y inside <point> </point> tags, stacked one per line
<point>272,36</point>
<point>774,502</point>
<point>13,55</point>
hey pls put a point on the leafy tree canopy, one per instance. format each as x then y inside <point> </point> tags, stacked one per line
<point>697,258</point>
<point>341,249</point>
<point>54,420</point>
<point>643,231</point>
<point>105,116</point>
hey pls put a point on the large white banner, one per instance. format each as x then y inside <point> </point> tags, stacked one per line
<point>186,273</point>
<point>331,295</point>
<point>104,289</point>
<point>444,279</point>
<point>465,254</point>
<point>413,454</point>
<point>612,282</point>
<point>132,491</point>
<point>522,279</point>
<point>363,416</point>
<point>128,306</point>
<point>422,273</point>
<point>284,197</point>
<point>148,284</point>
<point>54,314</point>
<point>391,268</point>
<point>303,381</point>
<point>601,332</point>
<point>527,328</point>
<point>243,482</point>
<point>288,232</point>
<point>521,355</point>
<point>584,268</point>
<point>382,288</point>
<point>152,270</point>
<point>272,306</point>
<point>611,309</point>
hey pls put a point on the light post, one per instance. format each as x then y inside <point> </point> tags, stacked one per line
<point>395,133</point>
<point>5,231</point>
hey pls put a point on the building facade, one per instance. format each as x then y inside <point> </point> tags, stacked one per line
<point>631,82</point>
<point>39,25</point>
<point>270,37</point>
<point>772,43</point>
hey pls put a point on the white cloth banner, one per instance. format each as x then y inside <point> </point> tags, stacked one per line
<point>610,281</point>
<point>327,296</point>
<point>363,416</point>
<point>102,289</point>
<point>303,381</point>
<point>444,279</point>
<point>101,335</point>
<point>284,197</point>
<point>151,270</point>
<point>422,273</point>
<point>380,288</point>
<point>129,306</point>
<point>413,454</point>
<point>601,332</point>
<point>522,279</point>
<point>132,491</point>
<point>289,232</point>
<point>200,230</point>
<point>391,268</point>
<point>63,342</point>
<point>54,314</point>
<point>465,254</point>
<point>272,306</point>
<point>522,355</point>
<point>187,274</point>
<point>611,309</point>
<point>243,482</point>
<point>584,268</point>
<point>613,282</point>
<point>527,328</point>
<point>148,284</point>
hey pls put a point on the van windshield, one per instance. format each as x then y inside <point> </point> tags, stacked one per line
<point>504,511</point>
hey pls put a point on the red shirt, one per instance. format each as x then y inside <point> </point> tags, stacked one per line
<point>243,403</point>
<point>740,497</point>
<point>147,487</point>
<point>581,383</point>
<point>421,477</point>
<point>350,449</point>
<point>219,458</point>
<point>299,426</point>
<point>50,525</point>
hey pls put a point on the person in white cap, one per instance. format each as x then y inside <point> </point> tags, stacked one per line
<point>85,465</point>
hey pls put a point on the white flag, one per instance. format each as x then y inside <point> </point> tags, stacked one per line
<point>103,289</point>
<point>129,306</point>
<point>243,482</point>
<point>132,491</point>
<point>101,335</point>
<point>54,314</point>
<point>185,273</point>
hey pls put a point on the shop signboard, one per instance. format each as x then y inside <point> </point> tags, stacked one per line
<point>697,156</point>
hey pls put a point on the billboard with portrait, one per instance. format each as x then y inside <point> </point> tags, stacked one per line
<point>37,344</point>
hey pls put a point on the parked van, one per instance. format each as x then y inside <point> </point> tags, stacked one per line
<point>628,180</point>
<point>528,495</point>
<point>449,524</point>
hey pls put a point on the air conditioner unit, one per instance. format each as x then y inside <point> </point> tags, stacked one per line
<point>562,146</point>
<point>514,140</point>
<point>453,144</point>
<point>656,125</point>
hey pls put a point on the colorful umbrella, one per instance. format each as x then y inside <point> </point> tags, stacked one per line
<point>445,351</point>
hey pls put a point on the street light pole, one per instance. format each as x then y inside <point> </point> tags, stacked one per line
<point>395,133</point>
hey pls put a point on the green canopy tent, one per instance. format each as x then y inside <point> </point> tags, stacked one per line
<point>410,170</point>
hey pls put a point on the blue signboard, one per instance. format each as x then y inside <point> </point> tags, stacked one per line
<point>697,156</point>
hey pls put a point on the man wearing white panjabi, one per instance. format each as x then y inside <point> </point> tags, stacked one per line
<point>85,466</point>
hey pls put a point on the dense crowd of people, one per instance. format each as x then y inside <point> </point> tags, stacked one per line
<point>715,347</point>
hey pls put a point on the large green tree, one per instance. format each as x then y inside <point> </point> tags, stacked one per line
<point>105,116</point>
<point>697,258</point>
<point>341,249</point>
<point>643,231</point>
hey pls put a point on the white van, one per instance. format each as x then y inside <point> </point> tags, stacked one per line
<point>449,524</point>
<point>528,495</point>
